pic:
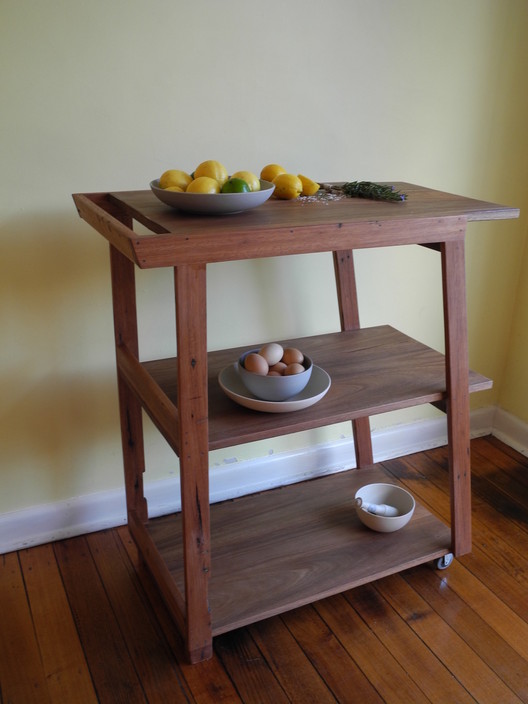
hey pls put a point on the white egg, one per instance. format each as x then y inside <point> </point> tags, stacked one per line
<point>272,353</point>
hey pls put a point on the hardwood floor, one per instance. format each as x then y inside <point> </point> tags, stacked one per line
<point>81,622</point>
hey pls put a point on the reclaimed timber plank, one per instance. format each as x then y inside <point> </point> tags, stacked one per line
<point>286,547</point>
<point>426,217</point>
<point>464,619</point>
<point>207,680</point>
<point>419,661</point>
<point>373,370</point>
<point>340,672</point>
<point>475,675</point>
<point>503,474</point>
<point>493,609</point>
<point>391,681</point>
<point>193,424</point>
<point>154,663</point>
<point>503,450</point>
<point>248,669</point>
<point>288,662</point>
<point>67,674</point>
<point>113,673</point>
<point>500,547</point>
<point>457,375</point>
<point>131,419</point>
<point>347,298</point>
<point>22,675</point>
<point>151,559</point>
<point>157,404</point>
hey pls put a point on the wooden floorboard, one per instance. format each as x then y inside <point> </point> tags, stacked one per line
<point>65,667</point>
<point>82,621</point>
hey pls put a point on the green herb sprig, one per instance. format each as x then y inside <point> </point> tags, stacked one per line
<point>367,189</point>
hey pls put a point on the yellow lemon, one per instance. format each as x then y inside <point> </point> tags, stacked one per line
<point>203,184</point>
<point>309,187</point>
<point>175,188</point>
<point>287,186</point>
<point>174,177</point>
<point>212,169</point>
<point>269,172</point>
<point>252,181</point>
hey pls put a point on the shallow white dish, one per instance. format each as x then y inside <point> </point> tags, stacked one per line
<point>213,203</point>
<point>232,385</point>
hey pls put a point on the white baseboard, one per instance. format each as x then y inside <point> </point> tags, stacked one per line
<point>85,514</point>
<point>511,431</point>
<point>63,519</point>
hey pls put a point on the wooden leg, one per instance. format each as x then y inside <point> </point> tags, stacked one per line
<point>191,327</point>
<point>349,316</point>
<point>457,379</point>
<point>362,442</point>
<point>125,330</point>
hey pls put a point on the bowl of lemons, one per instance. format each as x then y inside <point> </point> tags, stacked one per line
<point>210,190</point>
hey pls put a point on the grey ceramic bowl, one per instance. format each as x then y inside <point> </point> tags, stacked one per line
<point>274,388</point>
<point>213,203</point>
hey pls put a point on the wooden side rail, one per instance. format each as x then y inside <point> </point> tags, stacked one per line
<point>159,407</point>
<point>107,219</point>
<point>158,568</point>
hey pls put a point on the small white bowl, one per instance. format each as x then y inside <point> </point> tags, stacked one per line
<point>390,495</point>
<point>213,203</point>
<point>274,388</point>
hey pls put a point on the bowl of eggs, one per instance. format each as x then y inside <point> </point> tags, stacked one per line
<point>273,372</point>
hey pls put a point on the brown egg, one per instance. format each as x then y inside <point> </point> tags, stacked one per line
<point>272,353</point>
<point>272,373</point>
<point>256,364</point>
<point>292,356</point>
<point>294,368</point>
<point>279,367</point>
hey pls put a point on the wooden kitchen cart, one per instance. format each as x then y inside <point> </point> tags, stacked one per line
<point>222,566</point>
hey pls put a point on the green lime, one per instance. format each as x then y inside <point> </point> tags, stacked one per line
<point>235,185</point>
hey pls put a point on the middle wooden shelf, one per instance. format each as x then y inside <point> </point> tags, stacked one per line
<point>372,370</point>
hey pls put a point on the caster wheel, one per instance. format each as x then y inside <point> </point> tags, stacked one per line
<point>443,562</point>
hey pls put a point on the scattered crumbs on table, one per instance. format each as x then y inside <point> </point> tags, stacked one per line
<point>321,197</point>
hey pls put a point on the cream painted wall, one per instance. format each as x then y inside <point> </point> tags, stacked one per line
<point>513,391</point>
<point>106,95</point>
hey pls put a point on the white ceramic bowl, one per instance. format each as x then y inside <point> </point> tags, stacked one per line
<point>213,203</point>
<point>390,495</point>
<point>274,388</point>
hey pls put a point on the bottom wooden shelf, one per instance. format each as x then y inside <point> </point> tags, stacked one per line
<point>280,549</point>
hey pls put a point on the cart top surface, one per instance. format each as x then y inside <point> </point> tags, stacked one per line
<point>421,202</point>
<point>280,227</point>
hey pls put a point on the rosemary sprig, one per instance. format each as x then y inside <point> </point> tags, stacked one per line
<point>367,189</point>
